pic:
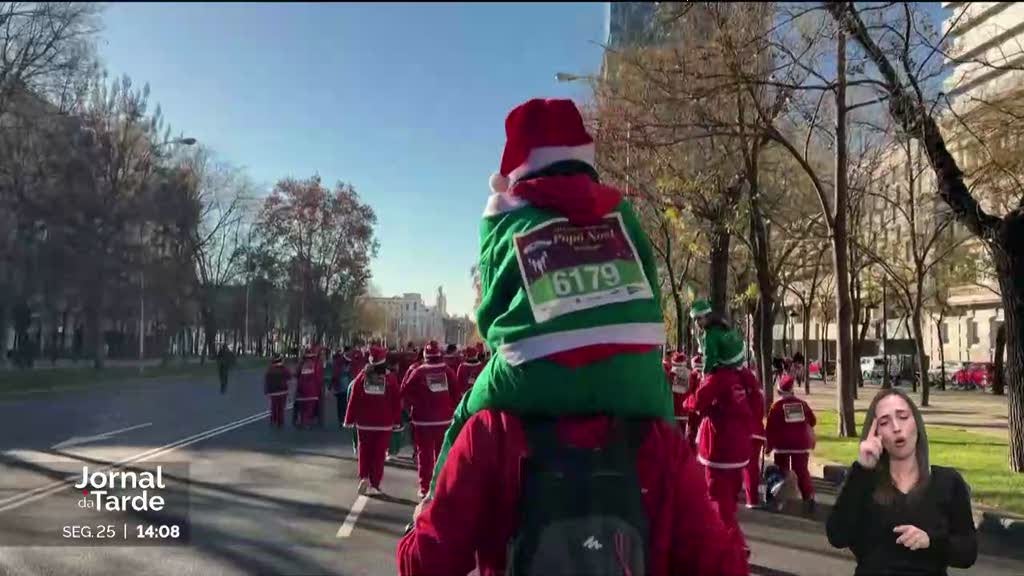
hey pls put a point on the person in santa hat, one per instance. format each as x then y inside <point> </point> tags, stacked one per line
<point>790,437</point>
<point>752,473</point>
<point>574,322</point>
<point>275,387</point>
<point>307,390</point>
<point>429,394</point>
<point>468,372</point>
<point>723,440</point>
<point>679,379</point>
<point>570,304</point>
<point>374,407</point>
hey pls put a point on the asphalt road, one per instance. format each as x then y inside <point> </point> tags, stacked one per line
<point>261,501</point>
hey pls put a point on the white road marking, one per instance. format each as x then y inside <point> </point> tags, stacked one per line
<point>43,491</point>
<point>76,440</point>
<point>353,514</point>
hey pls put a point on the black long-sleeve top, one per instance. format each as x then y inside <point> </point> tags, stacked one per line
<point>864,526</point>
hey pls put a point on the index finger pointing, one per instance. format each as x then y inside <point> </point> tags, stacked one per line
<point>874,428</point>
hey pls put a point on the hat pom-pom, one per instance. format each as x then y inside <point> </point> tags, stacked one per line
<point>499,183</point>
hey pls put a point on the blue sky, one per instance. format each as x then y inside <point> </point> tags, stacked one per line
<point>406,102</point>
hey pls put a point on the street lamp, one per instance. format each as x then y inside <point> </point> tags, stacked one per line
<point>189,141</point>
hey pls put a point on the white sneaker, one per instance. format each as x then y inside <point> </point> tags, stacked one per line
<point>371,491</point>
<point>364,486</point>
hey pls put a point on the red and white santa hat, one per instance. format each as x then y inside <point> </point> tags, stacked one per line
<point>378,355</point>
<point>432,350</point>
<point>785,383</point>
<point>679,360</point>
<point>539,133</point>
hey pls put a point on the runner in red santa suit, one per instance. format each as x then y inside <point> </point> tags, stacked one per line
<point>307,391</point>
<point>690,403</point>
<point>275,387</point>
<point>752,473</point>
<point>723,441</point>
<point>790,436</point>
<point>468,371</point>
<point>429,395</point>
<point>679,380</point>
<point>374,410</point>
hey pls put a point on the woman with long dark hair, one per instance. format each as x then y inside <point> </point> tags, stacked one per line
<point>896,512</point>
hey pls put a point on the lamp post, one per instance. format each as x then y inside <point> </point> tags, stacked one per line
<point>142,269</point>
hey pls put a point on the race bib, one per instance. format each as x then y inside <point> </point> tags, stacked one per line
<point>678,389</point>
<point>793,412</point>
<point>374,384</point>
<point>437,382</point>
<point>567,268</point>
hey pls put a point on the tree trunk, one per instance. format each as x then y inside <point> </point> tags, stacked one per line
<point>677,300</point>
<point>806,339</point>
<point>942,353</point>
<point>840,242</point>
<point>765,321</point>
<point>922,359</point>
<point>1009,261</point>
<point>999,379</point>
<point>718,270</point>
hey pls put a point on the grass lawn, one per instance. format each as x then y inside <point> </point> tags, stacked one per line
<point>980,458</point>
<point>15,383</point>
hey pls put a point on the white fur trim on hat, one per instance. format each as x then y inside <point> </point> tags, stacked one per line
<point>501,203</point>
<point>499,183</point>
<point>547,155</point>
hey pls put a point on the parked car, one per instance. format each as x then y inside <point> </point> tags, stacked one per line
<point>975,375</point>
<point>872,367</point>
<point>935,373</point>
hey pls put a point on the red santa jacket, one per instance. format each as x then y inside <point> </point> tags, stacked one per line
<point>723,440</point>
<point>682,391</point>
<point>791,425</point>
<point>475,509</point>
<point>452,361</point>
<point>466,377</point>
<point>429,394</point>
<point>755,401</point>
<point>308,387</point>
<point>374,402</point>
<point>690,403</point>
<point>275,382</point>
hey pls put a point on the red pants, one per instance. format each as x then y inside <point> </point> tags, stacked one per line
<point>428,441</point>
<point>799,467</point>
<point>373,448</point>
<point>308,410</point>
<point>723,487</point>
<point>692,425</point>
<point>277,404</point>
<point>752,473</point>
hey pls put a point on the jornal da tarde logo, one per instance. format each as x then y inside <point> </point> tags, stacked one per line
<point>102,490</point>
